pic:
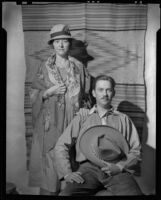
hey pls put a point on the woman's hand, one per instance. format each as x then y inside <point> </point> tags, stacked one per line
<point>74,177</point>
<point>56,89</point>
<point>83,112</point>
<point>60,89</point>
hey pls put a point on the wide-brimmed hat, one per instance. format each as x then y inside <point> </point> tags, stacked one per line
<point>59,31</point>
<point>102,143</point>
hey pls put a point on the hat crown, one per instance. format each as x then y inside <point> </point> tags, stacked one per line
<point>60,28</point>
<point>59,31</point>
<point>106,148</point>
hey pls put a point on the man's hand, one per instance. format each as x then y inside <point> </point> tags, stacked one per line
<point>74,177</point>
<point>111,169</point>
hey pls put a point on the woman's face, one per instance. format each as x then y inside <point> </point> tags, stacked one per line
<point>61,46</point>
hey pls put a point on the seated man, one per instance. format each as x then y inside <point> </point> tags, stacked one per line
<point>95,172</point>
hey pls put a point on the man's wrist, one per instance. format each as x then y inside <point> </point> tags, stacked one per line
<point>120,167</point>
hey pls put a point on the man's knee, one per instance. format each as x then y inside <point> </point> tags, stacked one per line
<point>65,193</point>
<point>125,184</point>
<point>68,190</point>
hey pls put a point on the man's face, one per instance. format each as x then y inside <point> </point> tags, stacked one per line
<point>61,46</point>
<point>103,93</point>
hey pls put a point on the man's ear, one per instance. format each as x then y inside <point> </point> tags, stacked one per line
<point>93,93</point>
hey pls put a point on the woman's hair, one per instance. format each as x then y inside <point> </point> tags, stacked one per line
<point>69,39</point>
<point>104,78</point>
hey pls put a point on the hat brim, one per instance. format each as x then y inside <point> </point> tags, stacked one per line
<point>59,37</point>
<point>95,131</point>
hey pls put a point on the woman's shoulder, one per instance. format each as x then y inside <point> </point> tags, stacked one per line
<point>51,59</point>
<point>75,61</point>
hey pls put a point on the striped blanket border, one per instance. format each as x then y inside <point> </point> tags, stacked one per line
<point>102,17</point>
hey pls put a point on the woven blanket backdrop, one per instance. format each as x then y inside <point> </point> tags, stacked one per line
<point>112,37</point>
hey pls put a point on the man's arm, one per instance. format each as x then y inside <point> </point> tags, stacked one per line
<point>131,135</point>
<point>61,154</point>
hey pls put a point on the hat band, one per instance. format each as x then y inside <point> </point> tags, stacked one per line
<point>59,33</point>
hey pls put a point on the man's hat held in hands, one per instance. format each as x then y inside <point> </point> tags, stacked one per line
<point>102,143</point>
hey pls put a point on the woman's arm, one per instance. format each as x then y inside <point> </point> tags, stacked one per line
<point>38,80</point>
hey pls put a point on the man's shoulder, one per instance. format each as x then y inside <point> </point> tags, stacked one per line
<point>90,118</point>
<point>120,114</point>
<point>82,120</point>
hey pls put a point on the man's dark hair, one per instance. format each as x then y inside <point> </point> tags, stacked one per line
<point>104,78</point>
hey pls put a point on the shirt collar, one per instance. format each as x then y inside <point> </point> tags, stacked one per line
<point>94,110</point>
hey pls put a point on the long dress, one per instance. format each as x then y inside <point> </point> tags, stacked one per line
<point>51,116</point>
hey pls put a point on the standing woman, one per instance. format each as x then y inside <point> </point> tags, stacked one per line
<point>57,95</point>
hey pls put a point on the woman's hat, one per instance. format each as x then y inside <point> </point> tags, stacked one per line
<point>59,31</point>
<point>101,144</point>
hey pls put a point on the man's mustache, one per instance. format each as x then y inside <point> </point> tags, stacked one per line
<point>105,97</point>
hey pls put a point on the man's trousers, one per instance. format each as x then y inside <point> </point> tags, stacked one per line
<point>96,180</point>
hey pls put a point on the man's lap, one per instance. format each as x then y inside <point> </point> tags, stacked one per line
<point>96,180</point>
<point>90,186</point>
